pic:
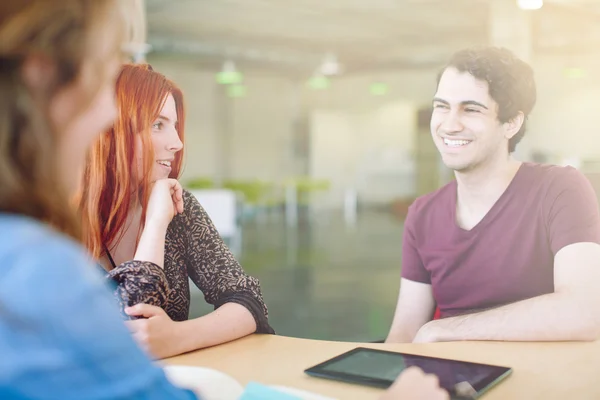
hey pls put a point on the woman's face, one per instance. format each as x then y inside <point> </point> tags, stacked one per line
<point>165,141</point>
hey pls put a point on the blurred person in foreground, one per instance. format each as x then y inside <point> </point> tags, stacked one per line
<point>61,336</point>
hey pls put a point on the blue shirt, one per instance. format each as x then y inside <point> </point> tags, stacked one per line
<point>61,336</point>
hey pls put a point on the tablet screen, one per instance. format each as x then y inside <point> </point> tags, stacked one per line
<point>381,368</point>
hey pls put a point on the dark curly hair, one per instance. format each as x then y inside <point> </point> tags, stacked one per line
<point>510,80</point>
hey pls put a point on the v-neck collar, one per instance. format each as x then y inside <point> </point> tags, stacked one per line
<point>496,207</point>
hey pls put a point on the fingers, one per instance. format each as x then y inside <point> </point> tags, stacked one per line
<point>178,199</point>
<point>410,374</point>
<point>143,310</point>
<point>433,382</point>
<point>177,195</point>
<point>414,372</point>
<point>414,383</point>
<point>442,394</point>
<point>139,332</point>
<point>430,380</point>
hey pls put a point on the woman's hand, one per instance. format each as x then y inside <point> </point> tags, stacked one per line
<point>166,201</point>
<point>156,333</point>
<point>414,384</point>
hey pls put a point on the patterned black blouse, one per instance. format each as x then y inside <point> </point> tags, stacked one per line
<point>193,249</point>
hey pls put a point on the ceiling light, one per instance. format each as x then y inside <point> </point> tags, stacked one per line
<point>237,91</point>
<point>330,66</point>
<point>379,89</point>
<point>530,4</point>
<point>229,75</point>
<point>575,73</point>
<point>319,82</point>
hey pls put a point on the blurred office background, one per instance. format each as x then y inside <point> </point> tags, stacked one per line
<point>307,130</point>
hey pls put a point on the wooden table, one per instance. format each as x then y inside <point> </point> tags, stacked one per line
<point>541,370</point>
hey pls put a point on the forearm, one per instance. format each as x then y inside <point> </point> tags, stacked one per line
<point>414,309</point>
<point>152,244</point>
<point>551,317</point>
<point>401,333</point>
<point>399,337</point>
<point>229,322</point>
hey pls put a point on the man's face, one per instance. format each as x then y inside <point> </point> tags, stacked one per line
<point>464,123</point>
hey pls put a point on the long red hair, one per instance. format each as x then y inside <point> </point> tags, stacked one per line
<point>111,181</point>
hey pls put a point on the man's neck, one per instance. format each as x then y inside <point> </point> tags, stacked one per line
<point>483,186</point>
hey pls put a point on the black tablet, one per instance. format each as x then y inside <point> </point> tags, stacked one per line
<point>463,380</point>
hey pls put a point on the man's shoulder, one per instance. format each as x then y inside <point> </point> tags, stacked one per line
<point>551,171</point>
<point>432,210</point>
<point>440,197</point>
<point>554,179</point>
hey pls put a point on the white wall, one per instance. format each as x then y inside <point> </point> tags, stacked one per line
<point>351,93</point>
<point>201,120</point>
<point>565,122</point>
<point>370,152</point>
<point>367,142</point>
<point>258,130</point>
<point>262,123</point>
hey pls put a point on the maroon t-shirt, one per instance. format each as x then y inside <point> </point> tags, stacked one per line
<point>509,255</point>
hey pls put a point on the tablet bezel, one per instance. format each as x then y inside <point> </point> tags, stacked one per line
<point>318,371</point>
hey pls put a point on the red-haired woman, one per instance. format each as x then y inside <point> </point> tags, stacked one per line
<point>130,193</point>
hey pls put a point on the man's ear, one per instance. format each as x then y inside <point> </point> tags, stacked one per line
<point>513,125</point>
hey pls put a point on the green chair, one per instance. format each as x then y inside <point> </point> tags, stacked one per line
<point>200,183</point>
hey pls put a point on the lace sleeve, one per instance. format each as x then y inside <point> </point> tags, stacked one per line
<point>215,271</point>
<point>137,282</point>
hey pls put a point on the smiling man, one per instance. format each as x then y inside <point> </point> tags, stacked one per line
<point>509,250</point>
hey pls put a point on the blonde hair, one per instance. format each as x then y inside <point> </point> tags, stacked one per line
<point>63,32</point>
